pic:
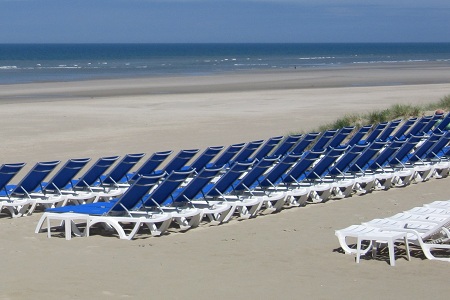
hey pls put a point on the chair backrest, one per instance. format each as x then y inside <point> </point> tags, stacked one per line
<point>362,162</point>
<point>267,147</point>
<point>162,194</point>
<point>227,156</point>
<point>95,171</point>
<point>431,123</point>
<point>225,183</point>
<point>122,168</point>
<point>418,126</point>
<point>376,132</point>
<point>134,194</point>
<point>297,172</point>
<point>274,176</point>
<point>305,142</point>
<point>195,187</point>
<point>179,161</point>
<point>400,133</point>
<point>423,149</point>
<point>34,178</point>
<point>62,179</point>
<point>251,178</point>
<point>341,135</point>
<point>7,173</point>
<point>248,150</point>
<point>151,165</point>
<point>324,139</point>
<point>206,157</point>
<point>407,147</point>
<point>384,156</point>
<point>324,164</point>
<point>286,145</point>
<point>358,135</point>
<point>436,150</point>
<point>443,124</point>
<point>344,163</point>
<point>385,135</point>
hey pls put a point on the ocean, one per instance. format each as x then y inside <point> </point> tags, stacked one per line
<point>24,63</point>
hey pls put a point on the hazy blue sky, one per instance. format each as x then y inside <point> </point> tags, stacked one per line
<point>153,21</point>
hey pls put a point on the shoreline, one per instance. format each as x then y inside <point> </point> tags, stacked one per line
<point>376,75</point>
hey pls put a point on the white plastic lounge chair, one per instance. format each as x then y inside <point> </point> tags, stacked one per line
<point>191,195</point>
<point>20,200</point>
<point>116,214</point>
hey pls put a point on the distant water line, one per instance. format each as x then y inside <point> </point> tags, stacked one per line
<point>22,63</point>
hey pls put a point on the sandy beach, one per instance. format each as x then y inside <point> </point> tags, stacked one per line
<point>293,254</point>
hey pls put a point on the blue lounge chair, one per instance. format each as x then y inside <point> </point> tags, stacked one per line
<point>386,133</point>
<point>376,131</point>
<point>400,133</point>
<point>7,173</point>
<point>149,167</point>
<point>365,178</point>
<point>221,191</point>
<point>297,173</point>
<point>192,193</point>
<point>427,128</point>
<point>205,158</point>
<point>305,143</point>
<point>161,199</point>
<point>442,126</point>
<point>119,172</point>
<point>320,191</point>
<point>267,147</point>
<point>324,140</point>
<point>19,199</point>
<point>247,151</point>
<point>419,126</point>
<point>116,214</point>
<point>340,136</point>
<point>226,157</point>
<point>179,161</point>
<point>358,135</point>
<point>416,160</point>
<point>286,145</point>
<point>62,179</point>
<point>85,189</point>
<point>272,179</point>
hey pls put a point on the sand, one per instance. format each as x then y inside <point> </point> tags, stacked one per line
<point>292,254</point>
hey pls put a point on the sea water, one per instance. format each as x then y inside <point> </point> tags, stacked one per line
<point>23,63</point>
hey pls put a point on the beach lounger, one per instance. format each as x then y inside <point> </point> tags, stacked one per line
<point>359,135</point>
<point>148,167</point>
<point>220,192</point>
<point>305,143</point>
<point>247,151</point>
<point>114,215</point>
<point>20,200</point>
<point>340,136</point>
<point>267,148</point>
<point>226,157</point>
<point>161,198</point>
<point>428,236</point>
<point>191,195</point>
<point>204,158</point>
<point>86,189</point>
<point>287,145</point>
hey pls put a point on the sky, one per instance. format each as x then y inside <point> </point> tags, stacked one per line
<point>223,21</point>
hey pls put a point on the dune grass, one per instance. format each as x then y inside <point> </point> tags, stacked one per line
<point>396,111</point>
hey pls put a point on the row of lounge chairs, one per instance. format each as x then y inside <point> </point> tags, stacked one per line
<point>427,228</point>
<point>221,183</point>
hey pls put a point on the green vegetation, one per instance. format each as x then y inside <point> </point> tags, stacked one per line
<point>396,111</point>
